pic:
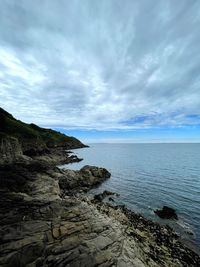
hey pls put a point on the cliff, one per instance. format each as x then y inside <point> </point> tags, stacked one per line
<point>18,138</point>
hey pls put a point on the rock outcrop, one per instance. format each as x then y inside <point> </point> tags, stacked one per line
<point>82,180</point>
<point>18,138</point>
<point>10,150</point>
<point>167,213</point>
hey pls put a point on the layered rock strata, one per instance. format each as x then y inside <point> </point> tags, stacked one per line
<point>44,223</point>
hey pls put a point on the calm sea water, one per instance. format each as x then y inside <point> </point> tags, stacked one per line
<point>148,176</point>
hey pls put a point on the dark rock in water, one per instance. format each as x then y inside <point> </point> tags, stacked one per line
<point>188,232</point>
<point>69,152</point>
<point>111,199</point>
<point>167,213</point>
<point>100,197</point>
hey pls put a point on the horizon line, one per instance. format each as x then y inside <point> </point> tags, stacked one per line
<point>181,142</point>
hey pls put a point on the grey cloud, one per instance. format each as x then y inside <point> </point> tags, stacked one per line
<point>97,64</point>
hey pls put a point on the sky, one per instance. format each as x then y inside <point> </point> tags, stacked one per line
<point>103,71</point>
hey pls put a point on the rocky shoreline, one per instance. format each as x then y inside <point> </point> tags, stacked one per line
<point>44,222</point>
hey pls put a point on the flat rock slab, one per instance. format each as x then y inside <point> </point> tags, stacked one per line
<point>66,232</point>
<point>76,232</point>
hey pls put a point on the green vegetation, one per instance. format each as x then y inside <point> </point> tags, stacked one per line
<point>9,126</point>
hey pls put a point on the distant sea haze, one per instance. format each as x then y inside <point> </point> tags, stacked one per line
<point>148,176</point>
<point>144,141</point>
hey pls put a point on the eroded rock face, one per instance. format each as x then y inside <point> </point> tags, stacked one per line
<point>18,138</point>
<point>56,156</point>
<point>167,213</point>
<point>39,178</point>
<point>10,150</point>
<point>91,175</point>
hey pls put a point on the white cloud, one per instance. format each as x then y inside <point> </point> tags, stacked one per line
<point>100,64</point>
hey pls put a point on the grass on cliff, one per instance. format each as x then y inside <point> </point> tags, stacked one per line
<point>52,137</point>
<point>9,126</point>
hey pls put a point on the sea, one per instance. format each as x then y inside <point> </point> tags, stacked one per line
<point>149,176</point>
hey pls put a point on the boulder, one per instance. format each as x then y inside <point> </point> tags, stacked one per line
<point>188,232</point>
<point>84,179</point>
<point>167,213</point>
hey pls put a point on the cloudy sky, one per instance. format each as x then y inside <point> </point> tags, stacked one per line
<point>103,70</point>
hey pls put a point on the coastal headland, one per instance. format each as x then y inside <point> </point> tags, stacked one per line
<point>45,221</point>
